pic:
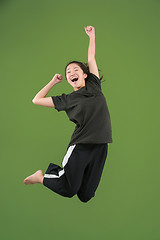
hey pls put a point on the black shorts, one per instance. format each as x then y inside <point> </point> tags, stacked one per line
<point>80,173</point>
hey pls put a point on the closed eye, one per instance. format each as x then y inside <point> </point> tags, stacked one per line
<point>75,70</point>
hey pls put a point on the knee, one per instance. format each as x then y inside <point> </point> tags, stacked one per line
<point>72,190</point>
<point>84,197</point>
<point>70,193</point>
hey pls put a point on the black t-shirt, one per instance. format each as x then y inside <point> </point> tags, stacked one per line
<point>87,108</point>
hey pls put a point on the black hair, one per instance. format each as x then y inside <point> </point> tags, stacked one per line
<point>83,66</point>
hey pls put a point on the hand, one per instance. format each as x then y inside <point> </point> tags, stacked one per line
<point>57,78</point>
<point>90,31</point>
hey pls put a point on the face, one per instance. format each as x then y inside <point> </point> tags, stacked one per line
<point>73,71</point>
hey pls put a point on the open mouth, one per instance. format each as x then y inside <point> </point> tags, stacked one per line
<point>74,79</point>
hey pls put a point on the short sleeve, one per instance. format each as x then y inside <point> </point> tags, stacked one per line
<point>92,78</point>
<point>60,102</point>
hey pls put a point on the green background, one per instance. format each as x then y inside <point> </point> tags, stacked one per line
<point>38,38</point>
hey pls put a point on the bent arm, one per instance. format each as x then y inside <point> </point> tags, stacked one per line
<point>46,102</point>
<point>40,98</point>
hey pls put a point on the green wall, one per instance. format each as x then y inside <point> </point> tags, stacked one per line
<point>38,38</point>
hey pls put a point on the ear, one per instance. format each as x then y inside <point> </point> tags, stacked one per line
<point>85,75</point>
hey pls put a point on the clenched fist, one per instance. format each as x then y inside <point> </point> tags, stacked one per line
<point>90,31</point>
<point>57,78</point>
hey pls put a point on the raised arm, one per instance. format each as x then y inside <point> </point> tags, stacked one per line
<point>90,31</point>
<point>40,98</point>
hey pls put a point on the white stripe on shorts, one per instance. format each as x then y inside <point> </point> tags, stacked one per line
<point>65,160</point>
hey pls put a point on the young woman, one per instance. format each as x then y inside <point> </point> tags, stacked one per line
<point>86,152</point>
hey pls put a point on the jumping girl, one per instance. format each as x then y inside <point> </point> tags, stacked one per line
<point>86,152</point>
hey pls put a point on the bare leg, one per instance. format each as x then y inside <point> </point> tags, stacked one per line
<point>37,177</point>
